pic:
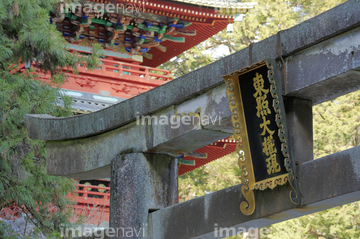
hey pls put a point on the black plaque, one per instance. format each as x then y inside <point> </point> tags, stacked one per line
<point>260,131</point>
<point>253,122</point>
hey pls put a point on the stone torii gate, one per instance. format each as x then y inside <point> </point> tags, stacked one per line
<point>320,60</point>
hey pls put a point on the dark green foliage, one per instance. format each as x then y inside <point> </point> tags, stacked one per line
<point>23,179</point>
<point>27,35</point>
<point>336,125</point>
<point>219,174</point>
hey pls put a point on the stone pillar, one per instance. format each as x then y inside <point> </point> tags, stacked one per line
<point>140,183</point>
<point>300,127</point>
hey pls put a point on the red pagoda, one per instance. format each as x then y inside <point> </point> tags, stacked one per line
<point>136,36</point>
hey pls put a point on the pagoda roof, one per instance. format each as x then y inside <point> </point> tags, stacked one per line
<point>218,3</point>
<point>213,24</point>
<point>199,22</point>
<point>203,31</point>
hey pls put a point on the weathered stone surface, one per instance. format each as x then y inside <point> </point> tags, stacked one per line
<point>139,184</point>
<point>267,48</point>
<point>300,128</point>
<point>80,157</point>
<point>321,27</point>
<point>73,158</point>
<point>326,70</point>
<point>319,73</point>
<point>328,182</point>
<point>331,176</point>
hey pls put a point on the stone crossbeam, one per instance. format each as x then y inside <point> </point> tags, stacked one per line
<point>328,182</point>
<point>331,181</point>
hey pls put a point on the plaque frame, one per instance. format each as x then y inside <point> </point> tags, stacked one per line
<point>236,105</point>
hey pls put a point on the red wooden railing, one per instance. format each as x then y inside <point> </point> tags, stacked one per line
<point>92,204</point>
<point>87,194</point>
<point>125,70</point>
<point>118,79</point>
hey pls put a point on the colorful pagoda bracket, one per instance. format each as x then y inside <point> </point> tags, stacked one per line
<point>150,32</point>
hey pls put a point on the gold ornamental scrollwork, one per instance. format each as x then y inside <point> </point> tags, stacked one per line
<point>243,147</point>
<point>282,132</point>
